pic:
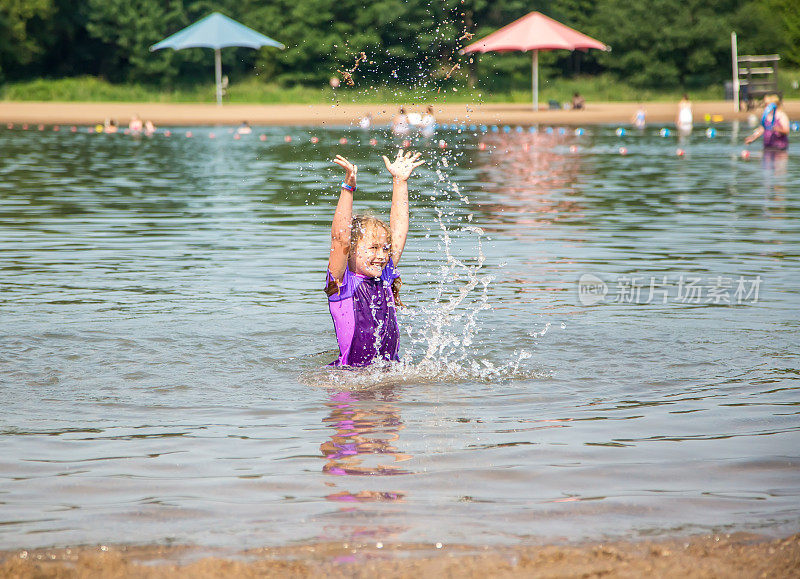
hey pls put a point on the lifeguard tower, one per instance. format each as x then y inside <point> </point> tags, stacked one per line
<point>758,76</point>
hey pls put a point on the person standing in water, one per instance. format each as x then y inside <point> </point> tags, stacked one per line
<point>684,121</point>
<point>428,125</point>
<point>639,118</point>
<point>774,126</point>
<point>362,282</point>
<point>400,124</point>
<point>135,125</point>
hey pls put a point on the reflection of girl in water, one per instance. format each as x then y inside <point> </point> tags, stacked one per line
<point>774,125</point>
<point>362,428</point>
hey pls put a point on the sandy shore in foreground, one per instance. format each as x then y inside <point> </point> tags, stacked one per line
<point>345,114</point>
<point>708,556</point>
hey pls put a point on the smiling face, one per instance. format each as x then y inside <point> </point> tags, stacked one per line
<point>371,253</point>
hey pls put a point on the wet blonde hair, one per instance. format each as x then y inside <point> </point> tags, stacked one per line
<point>361,224</point>
<point>771,99</point>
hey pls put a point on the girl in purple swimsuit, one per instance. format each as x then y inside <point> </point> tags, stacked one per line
<point>362,282</point>
<point>774,126</point>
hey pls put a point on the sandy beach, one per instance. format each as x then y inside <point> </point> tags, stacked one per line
<point>706,556</point>
<point>346,114</point>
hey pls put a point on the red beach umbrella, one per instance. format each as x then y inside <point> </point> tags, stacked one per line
<point>535,32</point>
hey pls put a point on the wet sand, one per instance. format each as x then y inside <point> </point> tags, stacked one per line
<point>707,556</point>
<point>346,114</point>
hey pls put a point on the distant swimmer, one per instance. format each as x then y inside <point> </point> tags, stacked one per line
<point>639,118</point>
<point>135,125</point>
<point>774,126</point>
<point>684,120</point>
<point>400,124</point>
<point>244,128</point>
<point>428,124</point>
<point>362,283</point>
<point>110,126</point>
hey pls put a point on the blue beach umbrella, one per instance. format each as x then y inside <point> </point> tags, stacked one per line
<point>216,31</point>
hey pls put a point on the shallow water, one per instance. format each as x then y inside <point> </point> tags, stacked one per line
<point>163,336</point>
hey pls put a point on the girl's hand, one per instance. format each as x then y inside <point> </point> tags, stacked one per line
<point>350,170</point>
<point>403,165</point>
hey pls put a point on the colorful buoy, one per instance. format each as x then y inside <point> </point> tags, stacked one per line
<point>442,144</point>
<point>406,143</point>
<point>73,129</point>
<point>623,151</point>
<point>579,132</point>
<point>620,132</point>
<point>573,149</point>
<point>343,141</point>
<point>189,134</point>
<point>373,141</point>
<point>664,132</point>
<point>167,133</point>
<point>680,152</point>
<point>745,154</point>
<point>212,136</point>
<point>481,146</point>
<point>236,137</point>
<point>315,140</point>
<point>711,132</point>
<point>262,137</point>
<point>287,139</point>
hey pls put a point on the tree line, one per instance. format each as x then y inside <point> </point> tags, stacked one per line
<point>655,44</point>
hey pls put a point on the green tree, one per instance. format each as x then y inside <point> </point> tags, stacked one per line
<point>128,28</point>
<point>666,43</point>
<point>18,47</point>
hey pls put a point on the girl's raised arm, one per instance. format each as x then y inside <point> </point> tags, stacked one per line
<point>342,221</point>
<point>401,170</point>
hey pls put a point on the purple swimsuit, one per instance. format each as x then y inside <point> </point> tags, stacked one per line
<point>772,138</point>
<point>364,317</point>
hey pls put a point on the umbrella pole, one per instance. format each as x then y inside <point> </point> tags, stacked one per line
<point>218,72</point>
<point>535,74</point>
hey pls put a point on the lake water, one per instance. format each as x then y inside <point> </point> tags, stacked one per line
<point>595,345</point>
